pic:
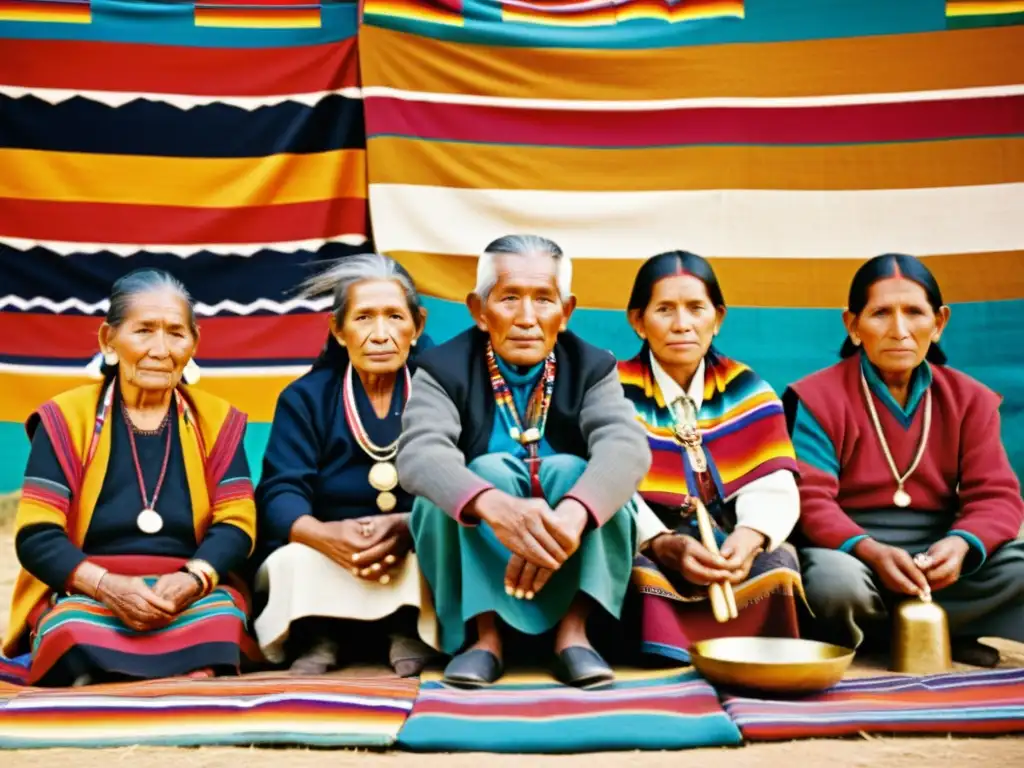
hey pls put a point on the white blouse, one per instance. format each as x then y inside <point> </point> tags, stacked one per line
<point>769,505</point>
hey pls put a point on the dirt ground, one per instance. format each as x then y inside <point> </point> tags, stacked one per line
<point>864,752</point>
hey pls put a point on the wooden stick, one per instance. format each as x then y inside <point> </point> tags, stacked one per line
<point>723,599</point>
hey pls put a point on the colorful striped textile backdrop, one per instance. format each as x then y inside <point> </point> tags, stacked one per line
<point>788,140</point>
<point>223,142</point>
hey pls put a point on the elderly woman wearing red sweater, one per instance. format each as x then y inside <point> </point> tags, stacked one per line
<point>905,486</point>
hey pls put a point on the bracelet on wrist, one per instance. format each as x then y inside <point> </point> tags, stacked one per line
<point>205,572</point>
<point>99,581</point>
<point>197,578</point>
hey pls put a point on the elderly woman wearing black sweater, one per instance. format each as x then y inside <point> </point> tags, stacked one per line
<point>333,518</point>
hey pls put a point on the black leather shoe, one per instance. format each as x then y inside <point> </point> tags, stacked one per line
<point>970,651</point>
<point>582,667</point>
<point>473,669</point>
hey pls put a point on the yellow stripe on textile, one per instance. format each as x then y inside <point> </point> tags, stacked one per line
<point>254,395</point>
<point>864,166</point>
<point>941,60</point>
<point>182,181</point>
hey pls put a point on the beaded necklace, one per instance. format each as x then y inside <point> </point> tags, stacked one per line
<point>528,431</point>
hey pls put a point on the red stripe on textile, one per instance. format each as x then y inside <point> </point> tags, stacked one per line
<point>50,498</point>
<point>256,337</point>
<point>155,225</point>
<point>57,430</point>
<point>140,68</point>
<point>762,470</point>
<point>863,123</point>
<point>215,629</point>
<point>139,565</point>
<point>232,491</point>
<point>224,449</point>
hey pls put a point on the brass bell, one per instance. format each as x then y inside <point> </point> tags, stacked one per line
<point>920,638</point>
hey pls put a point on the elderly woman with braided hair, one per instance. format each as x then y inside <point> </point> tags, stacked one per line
<point>136,508</point>
<point>339,576</point>
<point>905,485</point>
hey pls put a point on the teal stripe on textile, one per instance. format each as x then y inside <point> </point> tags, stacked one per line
<point>221,606</point>
<point>14,448</point>
<point>666,711</point>
<point>172,23</point>
<point>555,735</point>
<point>766,21</point>
<point>983,340</point>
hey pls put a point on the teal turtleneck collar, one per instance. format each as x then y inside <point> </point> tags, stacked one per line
<point>920,380</point>
<point>516,376</point>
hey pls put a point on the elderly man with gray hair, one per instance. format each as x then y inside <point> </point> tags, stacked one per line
<point>524,455</point>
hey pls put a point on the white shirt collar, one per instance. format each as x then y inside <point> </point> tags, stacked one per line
<point>671,390</point>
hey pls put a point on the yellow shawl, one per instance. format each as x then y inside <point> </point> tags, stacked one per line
<point>210,429</point>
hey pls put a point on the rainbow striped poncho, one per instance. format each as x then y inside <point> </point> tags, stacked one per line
<point>741,421</point>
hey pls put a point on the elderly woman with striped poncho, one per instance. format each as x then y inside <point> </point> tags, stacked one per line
<point>136,508</point>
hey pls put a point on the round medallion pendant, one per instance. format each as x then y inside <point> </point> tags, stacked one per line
<point>383,476</point>
<point>149,521</point>
<point>386,501</point>
<point>901,498</point>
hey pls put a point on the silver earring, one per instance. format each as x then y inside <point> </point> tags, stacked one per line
<point>191,374</point>
<point>414,342</point>
<point>110,358</point>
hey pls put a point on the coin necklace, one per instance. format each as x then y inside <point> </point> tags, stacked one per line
<point>149,520</point>
<point>900,498</point>
<point>383,475</point>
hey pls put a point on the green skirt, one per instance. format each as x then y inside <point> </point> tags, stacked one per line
<point>465,565</point>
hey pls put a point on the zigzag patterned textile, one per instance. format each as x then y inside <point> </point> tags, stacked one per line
<point>223,142</point>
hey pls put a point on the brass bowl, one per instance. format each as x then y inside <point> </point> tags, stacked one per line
<point>771,664</point>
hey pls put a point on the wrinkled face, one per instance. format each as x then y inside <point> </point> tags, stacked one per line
<point>680,322</point>
<point>897,326</point>
<point>155,341</point>
<point>524,312</point>
<point>378,329</point>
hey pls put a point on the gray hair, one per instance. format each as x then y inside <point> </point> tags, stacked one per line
<point>141,281</point>
<point>522,245</point>
<point>345,272</point>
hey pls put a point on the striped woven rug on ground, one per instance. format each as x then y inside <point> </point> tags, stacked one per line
<point>288,711</point>
<point>961,703</point>
<point>673,709</point>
